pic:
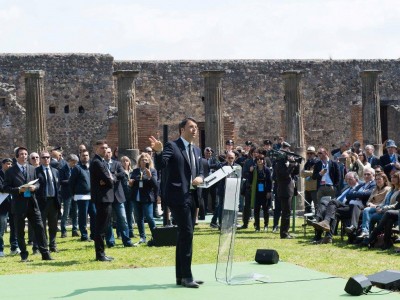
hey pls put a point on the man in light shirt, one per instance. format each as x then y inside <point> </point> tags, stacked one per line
<point>326,213</point>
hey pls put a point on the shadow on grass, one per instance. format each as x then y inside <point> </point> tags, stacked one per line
<point>121,288</point>
<point>55,263</point>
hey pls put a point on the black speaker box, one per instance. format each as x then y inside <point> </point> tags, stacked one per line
<point>358,285</point>
<point>267,256</point>
<point>164,236</point>
<point>388,280</point>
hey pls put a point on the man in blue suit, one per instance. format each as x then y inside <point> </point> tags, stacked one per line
<point>183,172</point>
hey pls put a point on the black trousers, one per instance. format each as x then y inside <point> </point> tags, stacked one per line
<point>285,217</point>
<point>247,207</point>
<point>103,221</point>
<point>35,219</point>
<point>385,225</point>
<point>49,216</point>
<point>185,217</point>
<point>212,191</point>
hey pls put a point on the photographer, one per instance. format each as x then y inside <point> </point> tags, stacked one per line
<point>285,170</point>
<point>357,163</point>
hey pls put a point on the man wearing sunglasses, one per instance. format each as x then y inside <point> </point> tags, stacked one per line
<point>48,197</point>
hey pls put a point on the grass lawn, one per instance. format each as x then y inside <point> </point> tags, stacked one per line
<point>338,259</point>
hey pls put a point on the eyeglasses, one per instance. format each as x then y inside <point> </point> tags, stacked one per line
<point>260,158</point>
<point>34,157</point>
<point>320,153</point>
<point>45,157</point>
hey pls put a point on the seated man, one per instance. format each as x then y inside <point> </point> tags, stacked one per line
<point>357,201</point>
<point>326,212</point>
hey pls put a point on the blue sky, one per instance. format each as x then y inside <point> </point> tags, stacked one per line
<point>204,29</point>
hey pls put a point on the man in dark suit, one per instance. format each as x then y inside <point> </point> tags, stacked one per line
<point>390,161</point>
<point>102,191</point>
<point>210,164</point>
<point>327,173</point>
<point>24,204</point>
<point>67,197</point>
<point>48,197</point>
<point>370,156</point>
<point>118,206</point>
<point>285,170</point>
<point>184,171</point>
<point>5,212</point>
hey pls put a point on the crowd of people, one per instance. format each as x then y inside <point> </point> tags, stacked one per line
<point>348,184</point>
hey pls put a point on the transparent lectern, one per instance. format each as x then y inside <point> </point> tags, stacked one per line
<point>223,271</point>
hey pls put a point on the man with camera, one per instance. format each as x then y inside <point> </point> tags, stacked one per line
<point>286,168</point>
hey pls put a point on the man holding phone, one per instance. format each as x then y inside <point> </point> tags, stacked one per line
<point>327,174</point>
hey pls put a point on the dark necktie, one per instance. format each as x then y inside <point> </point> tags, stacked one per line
<point>24,171</point>
<point>49,184</point>
<point>192,163</point>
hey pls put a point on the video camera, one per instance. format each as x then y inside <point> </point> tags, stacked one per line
<point>284,155</point>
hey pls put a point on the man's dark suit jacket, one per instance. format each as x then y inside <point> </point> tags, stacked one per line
<point>41,192</point>
<point>284,178</point>
<point>386,163</point>
<point>150,186</point>
<point>334,172</point>
<point>99,172</point>
<point>5,206</point>
<point>65,174</point>
<point>13,180</point>
<point>118,172</point>
<point>361,195</point>
<point>58,164</point>
<point>374,161</point>
<point>177,176</point>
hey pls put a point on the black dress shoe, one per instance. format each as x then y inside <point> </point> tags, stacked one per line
<point>54,250</point>
<point>46,256</point>
<point>179,281</point>
<point>24,257</point>
<point>75,234</point>
<point>105,258</point>
<point>190,284</point>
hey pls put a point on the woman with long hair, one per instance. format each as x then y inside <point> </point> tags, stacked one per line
<point>126,164</point>
<point>143,181</point>
<point>382,190</point>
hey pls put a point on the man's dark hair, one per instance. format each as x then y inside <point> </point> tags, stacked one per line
<point>182,124</point>
<point>19,149</point>
<point>101,142</point>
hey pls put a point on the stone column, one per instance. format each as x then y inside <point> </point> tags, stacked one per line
<point>36,130</point>
<point>294,120</point>
<point>127,126</point>
<point>213,107</point>
<point>294,111</point>
<point>371,110</point>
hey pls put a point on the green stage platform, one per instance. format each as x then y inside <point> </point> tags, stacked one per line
<point>287,281</point>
